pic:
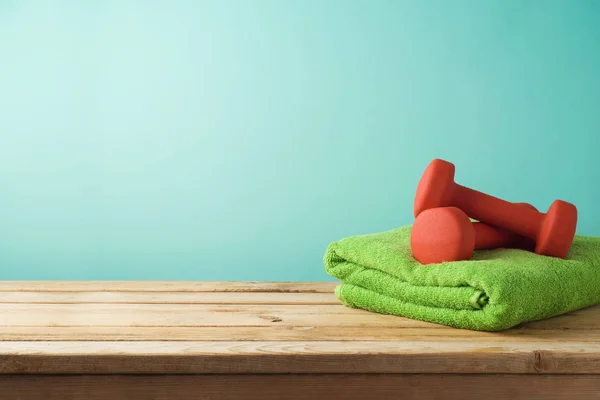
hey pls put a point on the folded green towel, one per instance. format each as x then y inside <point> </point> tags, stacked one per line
<point>495,290</point>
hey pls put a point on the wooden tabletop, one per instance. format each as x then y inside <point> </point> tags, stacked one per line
<point>254,328</point>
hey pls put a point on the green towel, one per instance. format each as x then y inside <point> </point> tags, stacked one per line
<point>495,290</point>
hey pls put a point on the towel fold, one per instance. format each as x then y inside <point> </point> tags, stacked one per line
<point>495,290</point>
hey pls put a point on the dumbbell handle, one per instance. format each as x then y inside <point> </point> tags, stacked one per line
<point>521,220</point>
<point>489,237</point>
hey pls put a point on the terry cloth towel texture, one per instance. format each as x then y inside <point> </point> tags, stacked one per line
<point>495,290</point>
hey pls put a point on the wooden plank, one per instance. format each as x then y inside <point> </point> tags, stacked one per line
<point>294,333</point>
<point>470,356</point>
<point>174,315</point>
<point>129,297</point>
<point>587,318</point>
<point>292,387</point>
<point>166,286</point>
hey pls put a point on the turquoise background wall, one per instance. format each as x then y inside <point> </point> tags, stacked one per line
<point>233,140</point>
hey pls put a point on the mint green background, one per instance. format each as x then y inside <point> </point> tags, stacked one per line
<point>233,140</point>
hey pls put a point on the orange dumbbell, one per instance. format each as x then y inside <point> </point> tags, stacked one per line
<point>552,232</point>
<point>447,234</point>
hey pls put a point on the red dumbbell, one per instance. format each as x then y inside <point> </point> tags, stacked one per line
<point>447,234</point>
<point>552,232</point>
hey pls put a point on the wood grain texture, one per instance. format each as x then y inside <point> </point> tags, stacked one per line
<point>166,286</point>
<point>473,356</point>
<point>293,387</point>
<point>261,327</point>
<point>168,314</point>
<point>130,297</point>
<point>275,332</point>
<point>119,315</point>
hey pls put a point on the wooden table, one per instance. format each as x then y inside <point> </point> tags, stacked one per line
<point>201,340</point>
